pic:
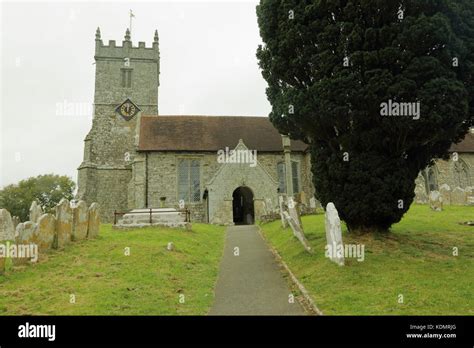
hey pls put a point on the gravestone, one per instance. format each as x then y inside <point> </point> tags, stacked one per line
<point>458,196</point>
<point>445,192</point>
<point>281,203</point>
<point>420,195</point>
<point>269,206</point>
<point>436,201</point>
<point>35,212</point>
<point>80,221</point>
<point>7,230</point>
<point>16,221</point>
<point>23,239</point>
<point>334,246</point>
<point>293,210</point>
<point>170,246</point>
<point>94,221</point>
<point>45,233</point>
<point>297,230</point>
<point>63,224</point>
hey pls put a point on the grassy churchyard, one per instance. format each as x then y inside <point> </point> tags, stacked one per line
<point>415,260</point>
<point>103,280</point>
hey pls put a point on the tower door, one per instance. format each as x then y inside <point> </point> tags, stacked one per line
<point>242,206</point>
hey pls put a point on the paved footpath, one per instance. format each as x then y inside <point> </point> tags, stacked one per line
<point>251,283</point>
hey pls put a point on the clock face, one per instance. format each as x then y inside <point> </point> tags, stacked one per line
<point>127,109</point>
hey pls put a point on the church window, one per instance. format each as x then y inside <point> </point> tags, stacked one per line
<point>295,176</point>
<point>461,174</point>
<point>189,183</point>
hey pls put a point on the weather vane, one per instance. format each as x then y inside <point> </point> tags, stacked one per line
<point>131,16</point>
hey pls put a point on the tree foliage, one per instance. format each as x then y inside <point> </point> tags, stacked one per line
<point>330,64</point>
<point>47,190</point>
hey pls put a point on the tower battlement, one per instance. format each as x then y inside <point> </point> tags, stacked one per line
<point>127,49</point>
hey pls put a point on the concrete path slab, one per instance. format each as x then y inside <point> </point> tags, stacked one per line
<point>251,283</point>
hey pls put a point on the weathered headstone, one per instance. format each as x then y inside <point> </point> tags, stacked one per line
<point>470,195</point>
<point>297,230</point>
<point>436,201</point>
<point>312,203</point>
<point>80,221</point>
<point>63,224</point>
<point>35,212</point>
<point>170,246</point>
<point>445,192</point>
<point>7,230</point>
<point>94,221</point>
<point>281,202</point>
<point>458,196</point>
<point>420,195</point>
<point>24,240</point>
<point>16,221</point>
<point>334,246</point>
<point>45,233</point>
<point>293,210</point>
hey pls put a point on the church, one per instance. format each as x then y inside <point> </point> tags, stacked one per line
<point>135,158</point>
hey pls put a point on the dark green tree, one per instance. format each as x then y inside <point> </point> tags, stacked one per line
<point>47,190</point>
<point>330,64</point>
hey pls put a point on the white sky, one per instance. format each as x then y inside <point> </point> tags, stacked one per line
<point>208,67</point>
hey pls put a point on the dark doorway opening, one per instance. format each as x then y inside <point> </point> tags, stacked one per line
<point>242,206</point>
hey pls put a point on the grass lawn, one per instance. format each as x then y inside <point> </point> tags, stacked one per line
<point>415,260</point>
<point>104,281</point>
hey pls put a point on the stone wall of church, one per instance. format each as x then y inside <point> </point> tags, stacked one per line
<point>162,177</point>
<point>454,173</point>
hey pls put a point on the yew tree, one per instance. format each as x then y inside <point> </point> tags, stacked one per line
<point>330,65</point>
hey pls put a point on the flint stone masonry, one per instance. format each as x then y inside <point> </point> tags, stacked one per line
<point>94,221</point>
<point>334,234</point>
<point>7,230</point>
<point>35,212</point>
<point>436,201</point>
<point>80,221</point>
<point>63,224</point>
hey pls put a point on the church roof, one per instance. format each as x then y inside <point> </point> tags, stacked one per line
<point>210,133</point>
<point>466,145</point>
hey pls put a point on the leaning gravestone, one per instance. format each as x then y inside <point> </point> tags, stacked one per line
<point>282,210</point>
<point>80,221</point>
<point>458,196</point>
<point>445,192</point>
<point>35,212</point>
<point>334,246</point>
<point>23,239</point>
<point>436,201</point>
<point>94,221</point>
<point>63,224</point>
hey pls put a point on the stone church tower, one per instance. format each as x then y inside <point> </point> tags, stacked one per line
<point>126,86</point>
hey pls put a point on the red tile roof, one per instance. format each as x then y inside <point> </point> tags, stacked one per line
<point>466,145</point>
<point>210,133</point>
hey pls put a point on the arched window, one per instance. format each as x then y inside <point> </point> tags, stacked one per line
<point>461,174</point>
<point>431,179</point>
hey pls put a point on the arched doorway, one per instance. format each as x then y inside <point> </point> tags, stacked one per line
<point>242,206</point>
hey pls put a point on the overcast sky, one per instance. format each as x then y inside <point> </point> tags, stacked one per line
<point>208,67</point>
